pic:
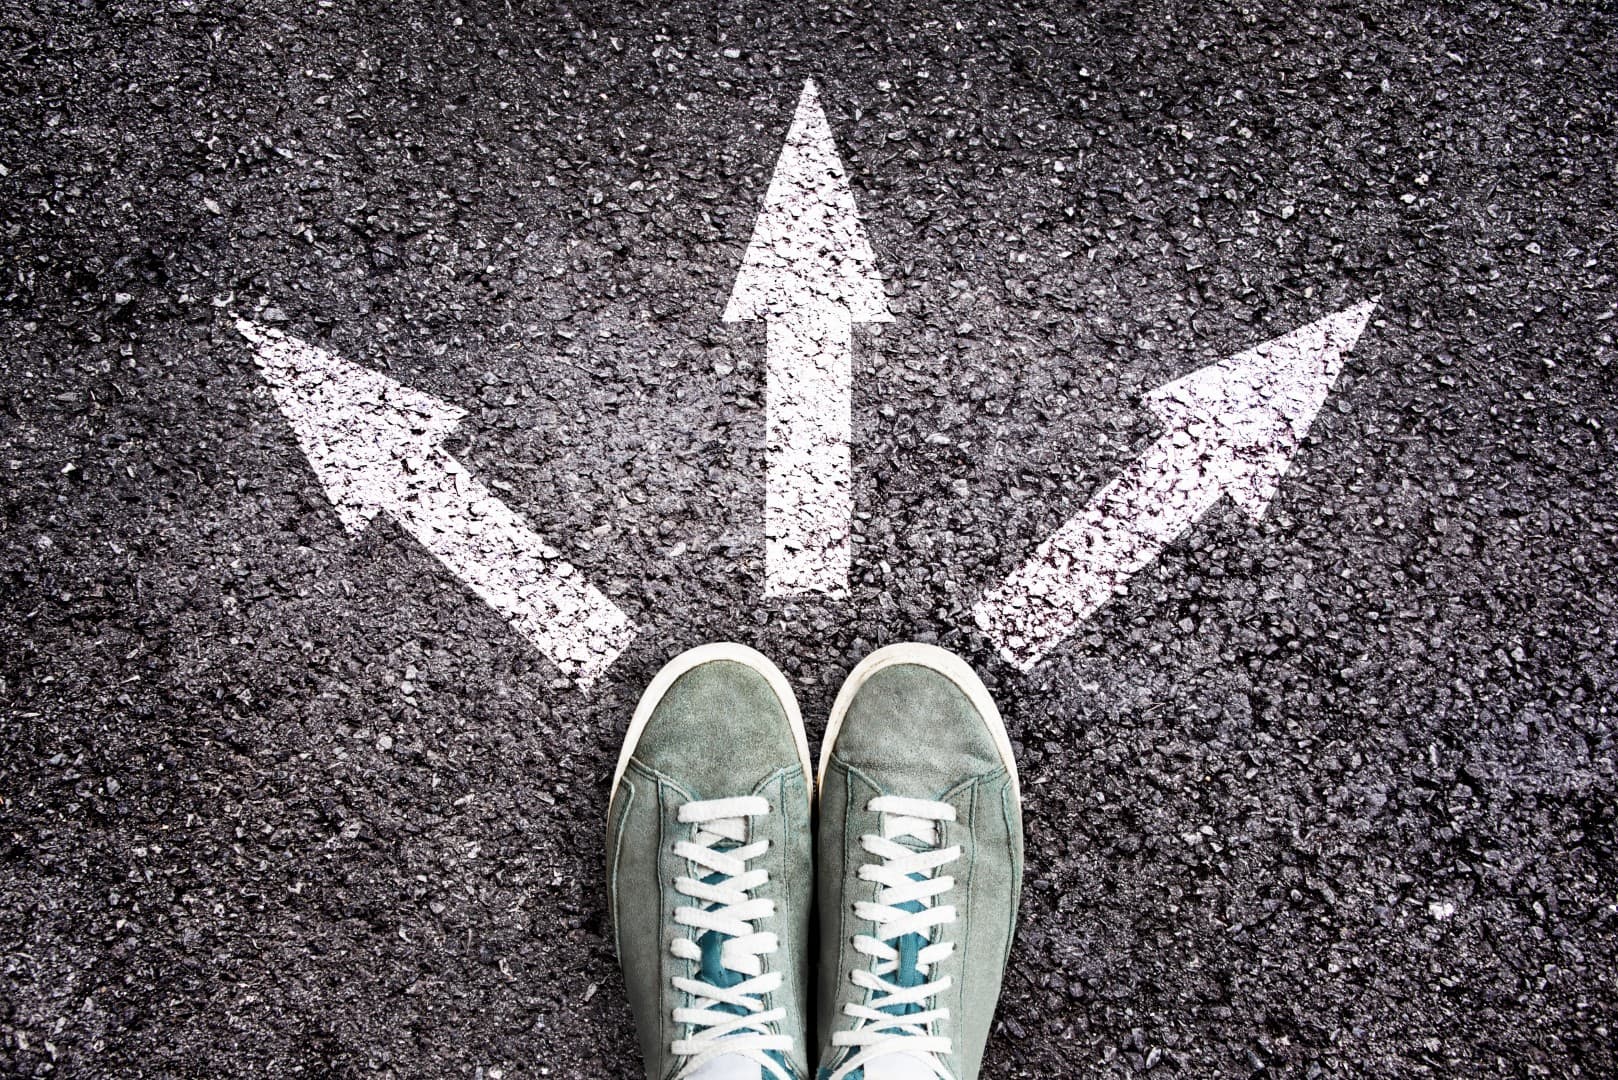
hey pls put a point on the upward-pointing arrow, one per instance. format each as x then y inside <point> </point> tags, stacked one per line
<point>374,444</point>
<point>1232,429</point>
<point>810,274</point>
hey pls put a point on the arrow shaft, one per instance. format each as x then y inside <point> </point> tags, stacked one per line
<point>808,493</point>
<point>487,545</point>
<point>1090,557</point>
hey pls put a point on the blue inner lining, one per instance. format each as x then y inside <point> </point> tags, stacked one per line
<point>909,947</point>
<point>711,968</point>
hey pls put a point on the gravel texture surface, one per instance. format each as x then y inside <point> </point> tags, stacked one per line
<point>1331,794</point>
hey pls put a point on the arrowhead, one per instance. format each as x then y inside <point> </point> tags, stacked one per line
<point>809,251</point>
<point>1251,411</point>
<point>363,433</point>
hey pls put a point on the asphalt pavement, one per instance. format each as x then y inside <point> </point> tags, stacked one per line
<point>1326,793</point>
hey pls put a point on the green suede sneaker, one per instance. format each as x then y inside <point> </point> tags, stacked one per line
<point>920,864</point>
<point>709,876</point>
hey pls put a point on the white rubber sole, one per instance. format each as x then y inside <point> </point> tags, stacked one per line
<point>944,662</point>
<point>670,672</point>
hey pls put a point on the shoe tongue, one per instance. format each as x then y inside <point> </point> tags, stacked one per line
<point>730,1067</point>
<point>899,1066</point>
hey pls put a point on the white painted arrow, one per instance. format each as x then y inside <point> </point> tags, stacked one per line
<point>810,274</point>
<point>1232,429</point>
<point>374,444</point>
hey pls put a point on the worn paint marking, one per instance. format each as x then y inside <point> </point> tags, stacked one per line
<point>1232,428</point>
<point>810,274</point>
<point>374,444</point>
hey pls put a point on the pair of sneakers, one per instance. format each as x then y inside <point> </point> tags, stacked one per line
<point>714,863</point>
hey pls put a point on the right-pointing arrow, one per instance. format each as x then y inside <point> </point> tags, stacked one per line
<point>1232,429</point>
<point>810,274</point>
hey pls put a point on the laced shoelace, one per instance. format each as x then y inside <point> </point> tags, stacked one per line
<point>728,1016</point>
<point>898,1015</point>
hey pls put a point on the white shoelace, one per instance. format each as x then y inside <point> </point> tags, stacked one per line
<point>908,880</point>
<point>733,1019</point>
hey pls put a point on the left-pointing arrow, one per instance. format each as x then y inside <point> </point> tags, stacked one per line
<point>375,445</point>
